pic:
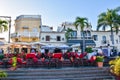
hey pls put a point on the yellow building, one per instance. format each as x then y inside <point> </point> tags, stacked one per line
<point>27,29</point>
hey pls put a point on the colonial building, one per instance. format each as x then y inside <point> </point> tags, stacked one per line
<point>27,28</point>
<point>103,38</point>
<point>92,38</point>
<point>48,36</point>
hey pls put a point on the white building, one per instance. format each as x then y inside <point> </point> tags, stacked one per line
<point>92,38</point>
<point>48,36</point>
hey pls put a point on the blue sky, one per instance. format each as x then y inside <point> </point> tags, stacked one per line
<point>54,12</point>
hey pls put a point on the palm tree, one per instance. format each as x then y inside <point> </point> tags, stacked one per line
<point>3,25</point>
<point>82,22</point>
<point>68,33</point>
<point>110,19</point>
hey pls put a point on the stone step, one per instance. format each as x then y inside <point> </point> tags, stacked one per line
<point>60,78</point>
<point>56,69</point>
<point>80,73</point>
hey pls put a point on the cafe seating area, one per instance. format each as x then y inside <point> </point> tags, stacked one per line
<point>49,60</point>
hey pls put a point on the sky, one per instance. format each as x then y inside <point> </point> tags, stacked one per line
<point>54,12</point>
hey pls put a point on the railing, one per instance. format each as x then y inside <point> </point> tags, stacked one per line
<point>80,38</point>
<point>25,34</point>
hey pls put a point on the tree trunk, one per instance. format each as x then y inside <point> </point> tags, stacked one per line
<point>112,37</point>
<point>83,42</point>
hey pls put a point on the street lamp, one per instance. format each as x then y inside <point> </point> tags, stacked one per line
<point>9,17</point>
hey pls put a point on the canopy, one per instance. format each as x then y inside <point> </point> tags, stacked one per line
<point>75,45</point>
<point>64,47</point>
<point>48,47</point>
<point>38,43</point>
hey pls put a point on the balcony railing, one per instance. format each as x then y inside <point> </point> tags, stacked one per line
<point>81,38</point>
<point>25,34</point>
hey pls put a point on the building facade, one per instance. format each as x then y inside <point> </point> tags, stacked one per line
<point>27,28</point>
<point>92,38</point>
<point>50,37</point>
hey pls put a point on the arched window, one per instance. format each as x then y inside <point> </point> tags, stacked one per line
<point>104,38</point>
<point>88,33</point>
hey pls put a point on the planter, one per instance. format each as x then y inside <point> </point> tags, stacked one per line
<point>100,64</point>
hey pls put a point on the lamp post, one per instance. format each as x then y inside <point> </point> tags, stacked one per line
<point>9,17</point>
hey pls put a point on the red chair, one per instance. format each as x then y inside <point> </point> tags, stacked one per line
<point>29,55</point>
<point>56,60</point>
<point>31,59</point>
<point>82,58</point>
<point>57,55</point>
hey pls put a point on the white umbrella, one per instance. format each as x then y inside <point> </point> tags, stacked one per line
<point>64,47</point>
<point>75,45</point>
<point>48,47</point>
<point>38,43</point>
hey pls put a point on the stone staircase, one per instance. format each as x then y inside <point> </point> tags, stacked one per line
<point>67,73</point>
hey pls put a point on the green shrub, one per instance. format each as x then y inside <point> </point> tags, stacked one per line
<point>3,74</point>
<point>99,58</point>
<point>89,50</point>
<point>1,56</point>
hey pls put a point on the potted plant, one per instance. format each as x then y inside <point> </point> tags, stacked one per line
<point>115,67</point>
<point>99,60</point>
<point>89,50</point>
<point>3,74</point>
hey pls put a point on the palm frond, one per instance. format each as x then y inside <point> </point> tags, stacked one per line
<point>81,22</point>
<point>3,25</point>
<point>117,9</point>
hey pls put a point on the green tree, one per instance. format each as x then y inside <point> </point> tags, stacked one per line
<point>82,22</point>
<point>110,19</point>
<point>3,26</point>
<point>68,33</point>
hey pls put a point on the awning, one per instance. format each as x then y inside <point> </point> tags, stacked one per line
<point>2,43</point>
<point>87,42</point>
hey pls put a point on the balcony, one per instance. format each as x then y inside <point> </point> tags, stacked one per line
<point>25,34</point>
<point>81,38</point>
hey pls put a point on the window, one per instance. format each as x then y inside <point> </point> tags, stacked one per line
<point>74,34</point>
<point>95,37</point>
<point>104,39</point>
<point>58,38</point>
<point>34,30</point>
<point>88,33</point>
<point>42,38</point>
<point>47,38</point>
